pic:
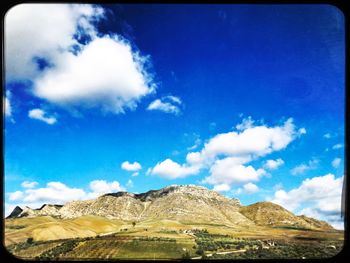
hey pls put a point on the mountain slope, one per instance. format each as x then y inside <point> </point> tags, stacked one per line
<point>270,214</point>
<point>179,203</point>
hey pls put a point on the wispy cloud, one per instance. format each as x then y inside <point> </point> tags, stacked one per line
<point>41,115</point>
<point>27,184</point>
<point>337,146</point>
<point>327,135</point>
<point>302,168</point>
<point>248,188</point>
<point>168,104</point>
<point>336,162</point>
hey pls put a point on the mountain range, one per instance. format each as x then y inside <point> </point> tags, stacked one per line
<point>182,203</point>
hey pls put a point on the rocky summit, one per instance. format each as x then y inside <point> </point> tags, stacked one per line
<point>183,203</point>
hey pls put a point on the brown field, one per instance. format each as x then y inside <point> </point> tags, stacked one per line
<point>93,237</point>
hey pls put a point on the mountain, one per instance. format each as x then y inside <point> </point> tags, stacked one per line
<point>273,215</point>
<point>15,212</point>
<point>181,203</point>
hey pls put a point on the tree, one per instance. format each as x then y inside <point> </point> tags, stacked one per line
<point>30,240</point>
<point>133,224</point>
<point>186,255</point>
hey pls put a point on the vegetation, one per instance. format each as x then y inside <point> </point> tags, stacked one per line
<point>15,227</point>
<point>59,250</point>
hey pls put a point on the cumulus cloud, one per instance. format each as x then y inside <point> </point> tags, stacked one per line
<point>135,174</point>
<point>171,170</point>
<point>131,167</point>
<point>74,66</point>
<point>273,164</point>
<point>27,184</point>
<point>337,146</point>
<point>254,141</point>
<point>59,193</point>
<point>221,188</point>
<point>302,168</point>
<point>336,162</point>
<point>21,50</point>
<point>99,187</point>
<point>54,192</point>
<point>226,155</point>
<point>41,115</point>
<point>168,104</point>
<point>321,194</point>
<point>230,171</point>
<point>248,188</point>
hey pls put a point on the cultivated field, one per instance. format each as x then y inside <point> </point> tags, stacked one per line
<point>92,237</point>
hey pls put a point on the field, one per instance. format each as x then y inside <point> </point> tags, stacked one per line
<point>101,238</point>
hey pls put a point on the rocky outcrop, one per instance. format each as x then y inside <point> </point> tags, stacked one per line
<point>183,203</point>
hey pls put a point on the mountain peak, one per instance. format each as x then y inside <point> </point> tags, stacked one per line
<point>183,203</point>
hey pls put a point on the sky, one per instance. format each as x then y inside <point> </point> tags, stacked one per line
<point>247,100</point>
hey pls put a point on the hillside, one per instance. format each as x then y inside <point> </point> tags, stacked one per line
<point>179,203</point>
<point>273,215</point>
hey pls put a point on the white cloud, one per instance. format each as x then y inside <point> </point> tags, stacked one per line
<point>231,171</point>
<point>59,193</point>
<point>130,183</point>
<point>336,162</point>
<point>246,124</point>
<point>39,114</point>
<point>131,167</point>
<point>135,174</point>
<point>16,196</point>
<point>8,107</point>
<point>278,186</point>
<point>27,184</point>
<point>105,72</point>
<point>101,187</point>
<point>255,141</point>
<point>327,135</point>
<point>302,168</point>
<point>196,144</point>
<point>248,188</point>
<point>302,131</point>
<point>168,104</point>
<point>19,34</point>
<point>174,99</point>
<point>337,146</point>
<point>171,170</point>
<point>225,154</point>
<point>321,194</point>
<point>274,164</point>
<point>54,192</point>
<point>221,188</point>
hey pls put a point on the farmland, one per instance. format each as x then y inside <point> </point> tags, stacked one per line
<point>175,240</point>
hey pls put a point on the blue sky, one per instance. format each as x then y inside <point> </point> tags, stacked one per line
<point>247,100</point>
